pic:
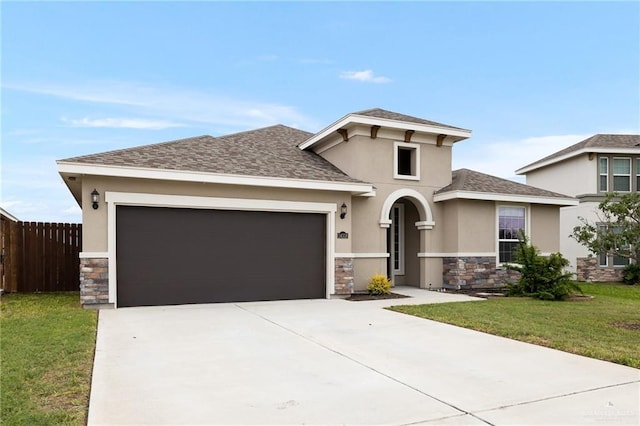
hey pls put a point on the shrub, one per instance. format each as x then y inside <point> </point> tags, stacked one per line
<point>631,274</point>
<point>379,284</point>
<point>541,277</point>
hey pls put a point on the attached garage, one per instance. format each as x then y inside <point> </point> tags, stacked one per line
<point>169,256</point>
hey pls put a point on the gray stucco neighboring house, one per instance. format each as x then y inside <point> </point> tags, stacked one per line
<point>588,170</point>
<point>280,213</point>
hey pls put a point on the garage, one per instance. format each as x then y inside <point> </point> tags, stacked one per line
<point>171,256</point>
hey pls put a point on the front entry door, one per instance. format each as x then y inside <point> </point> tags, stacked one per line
<point>395,243</point>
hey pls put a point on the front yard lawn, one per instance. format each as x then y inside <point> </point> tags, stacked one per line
<point>46,348</point>
<point>607,327</point>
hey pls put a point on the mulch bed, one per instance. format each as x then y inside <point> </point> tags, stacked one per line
<point>358,297</point>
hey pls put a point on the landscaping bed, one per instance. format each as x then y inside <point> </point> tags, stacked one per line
<point>357,297</point>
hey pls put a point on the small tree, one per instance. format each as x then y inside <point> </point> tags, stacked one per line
<point>541,277</point>
<point>617,231</point>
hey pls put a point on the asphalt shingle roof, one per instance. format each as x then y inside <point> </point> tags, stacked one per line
<point>267,152</point>
<point>596,141</point>
<point>472,181</point>
<point>390,115</point>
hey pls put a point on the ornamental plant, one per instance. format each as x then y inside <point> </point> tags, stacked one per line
<point>379,284</point>
<point>540,276</point>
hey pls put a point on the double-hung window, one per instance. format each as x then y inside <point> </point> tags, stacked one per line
<point>637,174</point>
<point>511,221</point>
<point>621,174</point>
<point>604,259</point>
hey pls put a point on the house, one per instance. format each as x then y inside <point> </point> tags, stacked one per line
<point>280,213</point>
<point>588,170</point>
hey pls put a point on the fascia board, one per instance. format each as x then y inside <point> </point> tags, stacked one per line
<point>383,122</point>
<point>187,176</point>
<point>532,167</point>
<point>487,196</point>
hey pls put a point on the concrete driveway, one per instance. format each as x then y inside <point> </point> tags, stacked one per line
<point>334,362</point>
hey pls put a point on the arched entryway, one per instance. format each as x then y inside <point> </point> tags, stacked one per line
<point>405,214</point>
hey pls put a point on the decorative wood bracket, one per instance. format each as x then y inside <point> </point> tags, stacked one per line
<point>591,156</point>
<point>344,133</point>
<point>408,134</point>
<point>374,131</point>
<point>440,139</point>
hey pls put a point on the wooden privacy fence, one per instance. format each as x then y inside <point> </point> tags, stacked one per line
<point>40,257</point>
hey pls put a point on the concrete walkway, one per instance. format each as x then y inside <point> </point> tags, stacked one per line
<point>333,362</point>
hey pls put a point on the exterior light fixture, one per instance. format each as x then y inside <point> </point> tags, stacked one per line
<point>95,197</point>
<point>343,210</point>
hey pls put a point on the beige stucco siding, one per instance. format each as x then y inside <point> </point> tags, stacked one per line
<point>545,228</point>
<point>476,226</point>
<point>575,176</point>
<point>95,221</point>
<point>371,160</point>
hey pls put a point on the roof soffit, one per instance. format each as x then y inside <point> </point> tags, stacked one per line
<point>327,136</point>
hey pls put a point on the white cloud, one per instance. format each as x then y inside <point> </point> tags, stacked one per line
<point>366,76</point>
<point>175,104</point>
<point>503,158</point>
<point>122,123</point>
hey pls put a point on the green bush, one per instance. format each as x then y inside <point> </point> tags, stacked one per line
<point>541,277</point>
<point>631,274</point>
<point>379,284</point>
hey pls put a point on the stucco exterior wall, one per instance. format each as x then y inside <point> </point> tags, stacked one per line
<point>575,176</point>
<point>477,226</point>
<point>545,228</point>
<point>95,221</point>
<point>569,218</point>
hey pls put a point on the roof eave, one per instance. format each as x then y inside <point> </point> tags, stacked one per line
<point>538,165</point>
<point>513,198</point>
<point>78,169</point>
<point>383,122</point>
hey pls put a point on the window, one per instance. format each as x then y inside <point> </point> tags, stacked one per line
<point>637,174</point>
<point>604,259</point>
<point>604,174</point>
<point>397,240</point>
<point>406,161</point>
<point>622,174</point>
<point>511,220</point>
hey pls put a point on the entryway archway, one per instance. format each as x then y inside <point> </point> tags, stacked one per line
<point>405,214</point>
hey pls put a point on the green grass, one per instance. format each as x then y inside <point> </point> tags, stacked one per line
<point>46,346</point>
<point>607,327</point>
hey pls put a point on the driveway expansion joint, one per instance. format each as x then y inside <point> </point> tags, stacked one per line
<point>464,412</point>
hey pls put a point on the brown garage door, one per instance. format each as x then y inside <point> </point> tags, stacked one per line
<point>170,256</point>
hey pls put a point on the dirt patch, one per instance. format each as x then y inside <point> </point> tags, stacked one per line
<point>627,325</point>
<point>358,297</point>
<point>580,298</point>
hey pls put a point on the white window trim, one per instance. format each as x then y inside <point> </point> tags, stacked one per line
<point>527,231</point>
<point>400,208</point>
<point>413,146</point>
<point>637,183</point>
<point>114,199</point>
<point>613,175</point>
<point>606,174</point>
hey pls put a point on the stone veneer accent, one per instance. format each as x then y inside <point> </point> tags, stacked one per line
<point>465,273</point>
<point>94,282</point>
<point>344,275</point>
<point>587,269</point>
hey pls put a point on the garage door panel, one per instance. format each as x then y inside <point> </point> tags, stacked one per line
<point>175,256</point>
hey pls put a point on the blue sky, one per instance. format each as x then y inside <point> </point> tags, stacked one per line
<point>84,77</point>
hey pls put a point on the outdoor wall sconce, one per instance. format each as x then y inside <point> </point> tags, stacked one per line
<point>343,210</point>
<point>95,197</point>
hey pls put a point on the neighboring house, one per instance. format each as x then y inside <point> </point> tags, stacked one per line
<point>588,170</point>
<point>279,213</point>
